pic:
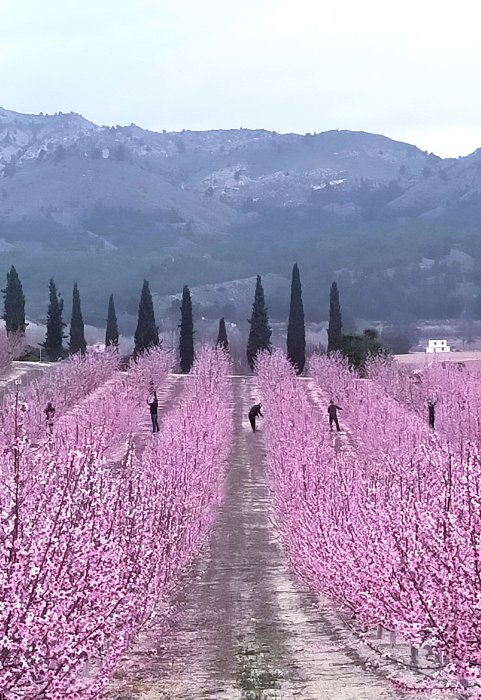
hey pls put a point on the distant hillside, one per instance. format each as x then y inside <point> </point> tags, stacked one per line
<point>108,206</point>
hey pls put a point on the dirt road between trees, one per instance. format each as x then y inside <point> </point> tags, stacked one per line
<point>242,626</point>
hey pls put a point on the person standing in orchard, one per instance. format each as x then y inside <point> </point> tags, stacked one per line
<point>332,410</point>
<point>253,413</point>
<point>50,414</point>
<point>431,404</point>
<point>154,404</point>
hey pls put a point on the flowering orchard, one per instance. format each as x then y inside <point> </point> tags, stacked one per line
<point>390,530</point>
<point>455,388</point>
<point>90,545</point>
<point>65,386</point>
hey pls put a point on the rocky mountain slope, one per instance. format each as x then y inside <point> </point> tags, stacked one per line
<point>107,206</point>
<point>131,167</point>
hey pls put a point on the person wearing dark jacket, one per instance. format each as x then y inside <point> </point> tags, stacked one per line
<point>153,403</point>
<point>50,414</point>
<point>253,413</point>
<point>332,410</point>
<point>431,405</point>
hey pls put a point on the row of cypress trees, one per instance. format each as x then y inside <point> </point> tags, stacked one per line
<point>54,336</point>
<point>260,331</point>
<point>147,332</point>
<point>14,316</point>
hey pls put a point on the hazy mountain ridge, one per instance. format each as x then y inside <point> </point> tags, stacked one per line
<point>77,199</point>
<point>240,168</point>
<point>230,166</point>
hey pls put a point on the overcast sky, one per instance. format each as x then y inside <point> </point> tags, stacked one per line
<point>409,70</point>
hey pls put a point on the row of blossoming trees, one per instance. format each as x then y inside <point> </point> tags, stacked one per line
<point>90,543</point>
<point>389,527</point>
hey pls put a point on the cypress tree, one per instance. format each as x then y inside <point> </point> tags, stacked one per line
<point>186,341</point>
<point>77,336</point>
<point>260,332</point>
<point>334,332</point>
<point>55,325</point>
<point>222,341</point>
<point>112,330</point>
<point>146,333</point>
<point>14,304</point>
<point>296,330</point>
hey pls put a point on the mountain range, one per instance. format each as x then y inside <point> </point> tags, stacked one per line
<point>107,206</point>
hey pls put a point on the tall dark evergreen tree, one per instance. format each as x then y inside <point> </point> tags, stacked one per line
<point>77,332</point>
<point>112,330</point>
<point>260,332</point>
<point>296,329</point>
<point>222,341</point>
<point>147,333</point>
<point>55,325</point>
<point>14,304</point>
<point>334,332</point>
<point>186,341</point>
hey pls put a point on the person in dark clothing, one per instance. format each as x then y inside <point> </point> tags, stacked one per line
<point>49,414</point>
<point>332,410</point>
<point>431,405</point>
<point>253,413</point>
<point>154,404</point>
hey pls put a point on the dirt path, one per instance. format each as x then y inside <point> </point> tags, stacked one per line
<point>242,627</point>
<point>343,441</point>
<point>168,396</point>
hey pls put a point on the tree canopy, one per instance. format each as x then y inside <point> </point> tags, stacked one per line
<point>53,343</point>
<point>146,333</point>
<point>334,331</point>
<point>14,304</point>
<point>296,330</point>
<point>260,331</point>
<point>77,332</point>
<point>112,330</point>
<point>222,341</point>
<point>186,340</point>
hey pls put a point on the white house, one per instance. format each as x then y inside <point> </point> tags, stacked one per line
<point>438,346</point>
